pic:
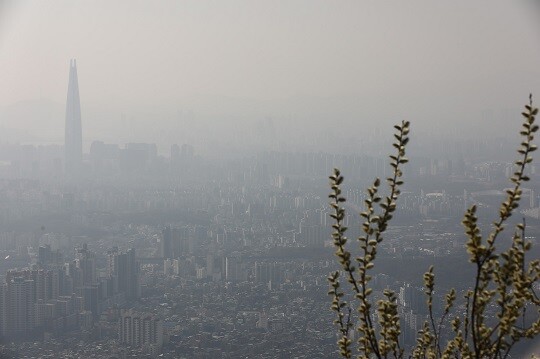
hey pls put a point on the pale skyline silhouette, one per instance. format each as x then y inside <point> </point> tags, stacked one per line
<point>298,62</point>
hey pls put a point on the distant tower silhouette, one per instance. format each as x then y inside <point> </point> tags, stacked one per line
<point>73,137</point>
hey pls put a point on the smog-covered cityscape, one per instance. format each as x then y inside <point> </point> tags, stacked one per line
<point>164,167</point>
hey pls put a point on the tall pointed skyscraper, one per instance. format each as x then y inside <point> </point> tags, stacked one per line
<point>73,138</point>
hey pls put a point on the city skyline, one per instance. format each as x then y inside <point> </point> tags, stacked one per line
<point>183,190</point>
<point>313,65</point>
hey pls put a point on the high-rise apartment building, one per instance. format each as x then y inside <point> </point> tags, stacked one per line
<point>125,270</point>
<point>176,242</point>
<point>140,329</point>
<point>73,134</point>
<point>3,309</point>
<point>86,262</point>
<point>20,301</point>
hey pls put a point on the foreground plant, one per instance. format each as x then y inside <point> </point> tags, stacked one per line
<point>503,278</point>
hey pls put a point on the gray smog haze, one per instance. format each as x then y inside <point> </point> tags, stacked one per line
<point>171,71</point>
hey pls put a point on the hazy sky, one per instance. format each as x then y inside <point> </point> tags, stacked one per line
<point>364,59</point>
